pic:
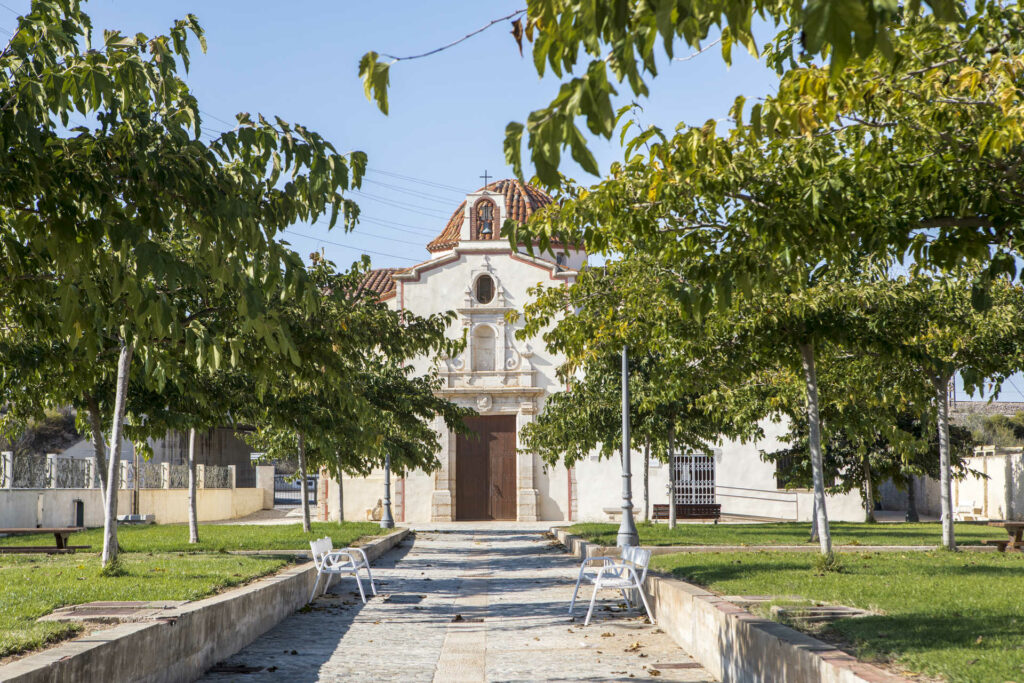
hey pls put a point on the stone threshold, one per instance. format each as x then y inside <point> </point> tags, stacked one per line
<point>186,640</point>
<point>732,643</point>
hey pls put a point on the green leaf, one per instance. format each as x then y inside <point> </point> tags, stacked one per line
<point>375,77</point>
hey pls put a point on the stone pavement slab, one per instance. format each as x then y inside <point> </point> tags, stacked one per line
<point>464,604</point>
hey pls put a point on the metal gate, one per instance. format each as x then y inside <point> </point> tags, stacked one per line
<point>287,490</point>
<point>695,479</point>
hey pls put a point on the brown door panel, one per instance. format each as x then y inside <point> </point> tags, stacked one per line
<point>485,466</point>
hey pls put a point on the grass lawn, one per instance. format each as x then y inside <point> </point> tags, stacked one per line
<point>34,585</point>
<point>957,615</point>
<point>212,537</point>
<point>160,565</point>
<point>789,533</point>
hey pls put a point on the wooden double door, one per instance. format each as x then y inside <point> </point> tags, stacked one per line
<point>485,469</point>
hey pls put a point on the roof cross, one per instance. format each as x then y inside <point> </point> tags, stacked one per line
<point>485,177</point>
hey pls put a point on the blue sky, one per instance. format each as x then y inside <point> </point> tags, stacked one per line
<point>448,111</point>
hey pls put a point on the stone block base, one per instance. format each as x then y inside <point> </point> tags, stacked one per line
<point>528,504</point>
<point>441,506</point>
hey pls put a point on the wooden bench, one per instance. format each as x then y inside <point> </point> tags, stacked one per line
<point>60,536</point>
<point>1014,530</point>
<point>689,511</point>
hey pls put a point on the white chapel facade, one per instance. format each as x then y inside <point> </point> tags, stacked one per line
<point>474,272</point>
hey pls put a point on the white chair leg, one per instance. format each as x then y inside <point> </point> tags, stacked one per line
<point>359,582</point>
<point>370,575</point>
<point>572,603</point>
<point>590,611</point>
<point>647,607</point>
<point>315,586</point>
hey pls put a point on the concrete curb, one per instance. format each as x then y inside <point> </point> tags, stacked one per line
<point>670,549</point>
<point>735,645</point>
<point>186,641</point>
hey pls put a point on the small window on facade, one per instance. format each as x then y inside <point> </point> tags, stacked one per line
<point>562,259</point>
<point>484,289</point>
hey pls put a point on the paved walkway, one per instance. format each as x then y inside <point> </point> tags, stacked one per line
<point>463,605</point>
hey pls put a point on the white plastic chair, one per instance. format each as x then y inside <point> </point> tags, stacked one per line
<point>616,573</point>
<point>347,561</point>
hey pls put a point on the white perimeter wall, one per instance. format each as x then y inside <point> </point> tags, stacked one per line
<point>55,507</point>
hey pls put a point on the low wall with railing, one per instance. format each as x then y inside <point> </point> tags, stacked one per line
<point>57,491</point>
<point>59,507</point>
<point>54,471</point>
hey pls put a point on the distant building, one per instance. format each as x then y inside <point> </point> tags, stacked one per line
<point>474,272</point>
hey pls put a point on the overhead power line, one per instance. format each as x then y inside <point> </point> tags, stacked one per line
<point>416,193</point>
<point>359,249</point>
<point>419,181</point>
<point>405,206</point>
<point>1012,384</point>
<point>419,232</point>
<point>374,235</point>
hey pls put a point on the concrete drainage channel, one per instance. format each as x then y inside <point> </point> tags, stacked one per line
<point>735,645</point>
<point>185,640</point>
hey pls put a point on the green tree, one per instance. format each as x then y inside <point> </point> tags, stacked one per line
<point>934,327</point>
<point>352,400</point>
<point>601,44</point>
<point>111,219</point>
<point>676,385</point>
<point>997,430</point>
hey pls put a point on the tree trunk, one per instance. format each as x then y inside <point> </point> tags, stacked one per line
<point>99,446</point>
<point>911,501</point>
<point>302,484</point>
<point>869,492</point>
<point>814,522</point>
<point>817,462</point>
<point>341,499</point>
<point>647,481</point>
<point>193,518</point>
<point>671,477</point>
<point>124,362</point>
<point>945,484</point>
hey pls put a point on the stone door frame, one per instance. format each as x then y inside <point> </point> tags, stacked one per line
<point>518,401</point>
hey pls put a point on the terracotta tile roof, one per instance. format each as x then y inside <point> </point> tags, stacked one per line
<point>379,281</point>
<point>521,200</point>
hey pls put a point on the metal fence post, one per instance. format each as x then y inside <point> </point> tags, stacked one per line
<point>7,469</point>
<point>51,470</point>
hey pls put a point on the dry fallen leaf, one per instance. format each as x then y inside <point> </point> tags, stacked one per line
<point>606,634</point>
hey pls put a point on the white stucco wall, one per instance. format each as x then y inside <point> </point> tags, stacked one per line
<point>745,486</point>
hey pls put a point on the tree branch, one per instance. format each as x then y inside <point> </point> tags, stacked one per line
<point>456,42</point>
